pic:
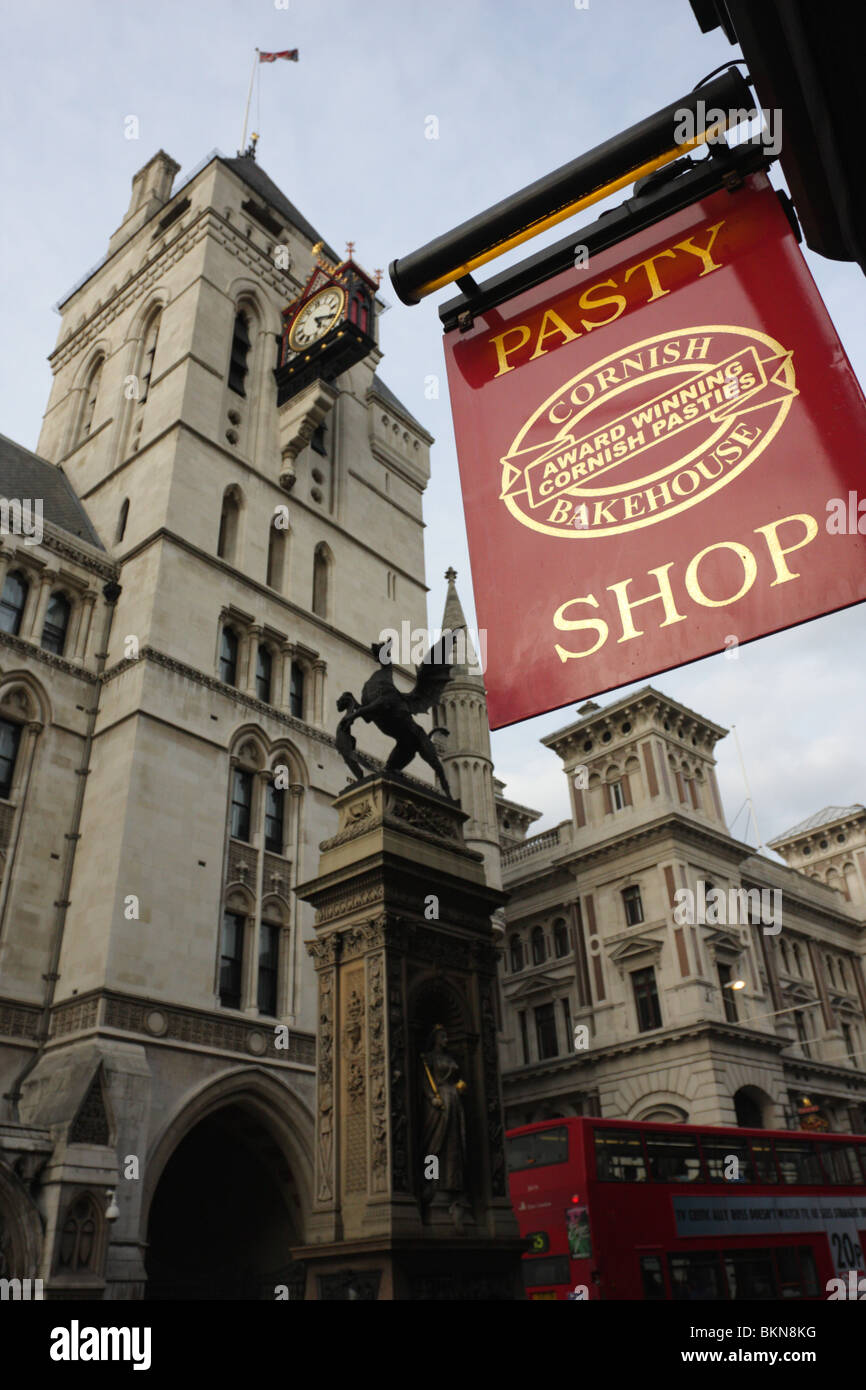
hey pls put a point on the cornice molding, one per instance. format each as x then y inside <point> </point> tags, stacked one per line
<point>174,1024</point>
<point>37,653</point>
<point>229,692</point>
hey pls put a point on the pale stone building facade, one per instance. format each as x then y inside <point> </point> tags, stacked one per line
<point>614,1007</point>
<point>170,660</point>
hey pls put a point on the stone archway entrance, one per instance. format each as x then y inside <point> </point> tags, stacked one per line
<point>751,1105</point>
<point>225,1215</point>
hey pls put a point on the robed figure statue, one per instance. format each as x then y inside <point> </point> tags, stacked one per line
<point>444,1127</point>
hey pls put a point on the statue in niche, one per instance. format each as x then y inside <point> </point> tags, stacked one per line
<point>443,1134</point>
<point>391,711</point>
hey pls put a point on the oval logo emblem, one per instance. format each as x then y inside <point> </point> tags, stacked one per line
<point>644,434</point>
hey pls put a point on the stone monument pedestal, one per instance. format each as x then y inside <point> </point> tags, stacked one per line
<point>411,1196</point>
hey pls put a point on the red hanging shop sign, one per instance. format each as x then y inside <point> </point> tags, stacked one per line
<point>661,454</point>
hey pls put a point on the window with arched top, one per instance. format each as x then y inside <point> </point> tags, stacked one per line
<point>238,361</point>
<point>88,405</point>
<point>227,540</point>
<point>270,931</point>
<point>296,690</point>
<point>560,937</point>
<point>241,804</point>
<point>78,1236</point>
<point>229,656</point>
<point>321,581</point>
<point>539,949</point>
<point>264,672</point>
<point>516,948</point>
<point>12,602</point>
<point>10,738</point>
<point>231,959</point>
<point>275,828</point>
<point>56,624</point>
<point>277,550</point>
<point>122,518</point>
<point>784,954</point>
<point>148,353</point>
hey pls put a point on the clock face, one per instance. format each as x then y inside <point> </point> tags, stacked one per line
<point>316,318</point>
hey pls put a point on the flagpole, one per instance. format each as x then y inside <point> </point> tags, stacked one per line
<point>249,99</point>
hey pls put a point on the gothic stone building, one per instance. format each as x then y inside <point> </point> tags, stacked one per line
<point>597,953</point>
<point>169,665</point>
<point>170,658</point>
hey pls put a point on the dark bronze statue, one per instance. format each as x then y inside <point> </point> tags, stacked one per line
<point>444,1124</point>
<point>391,711</point>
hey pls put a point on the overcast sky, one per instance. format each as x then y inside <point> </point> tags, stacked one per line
<point>518,88</point>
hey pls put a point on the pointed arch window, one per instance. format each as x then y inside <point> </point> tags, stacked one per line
<point>148,352</point>
<point>269,952</point>
<point>12,601</point>
<point>123,517</point>
<point>276,559</point>
<point>296,690</point>
<point>238,367</point>
<point>321,581</point>
<point>10,737</point>
<point>227,539</point>
<point>275,799</point>
<point>264,673</point>
<point>229,656</point>
<point>242,801</point>
<point>56,623</point>
<point>231,960</point>
<point>91,392</point>
<point>78,1237</point>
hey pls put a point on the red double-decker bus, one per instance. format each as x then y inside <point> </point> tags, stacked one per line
<point>620,1210</point>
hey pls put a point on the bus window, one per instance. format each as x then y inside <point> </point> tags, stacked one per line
<point>718,1154</point>
<point>538,1149</point>
<point>840,1164</point>
<point>798,1161</point>
<point>796,1269</point>
<point>861,1149</point>
<point>750,1274</point>
<point>696,1276</point>
<point>652,1277</point>
<point>765,1164</point>
<point>539,1273</point>
<point>674,1157</point>
<point>619,1156</point>
<point>810,1273</point>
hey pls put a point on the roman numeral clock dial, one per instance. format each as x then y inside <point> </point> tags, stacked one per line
<point>316,318</point>
<point>330,327</point>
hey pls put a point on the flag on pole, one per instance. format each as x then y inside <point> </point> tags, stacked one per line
<point>290,53</point>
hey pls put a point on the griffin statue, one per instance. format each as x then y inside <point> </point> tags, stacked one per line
<point>391,711</point>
